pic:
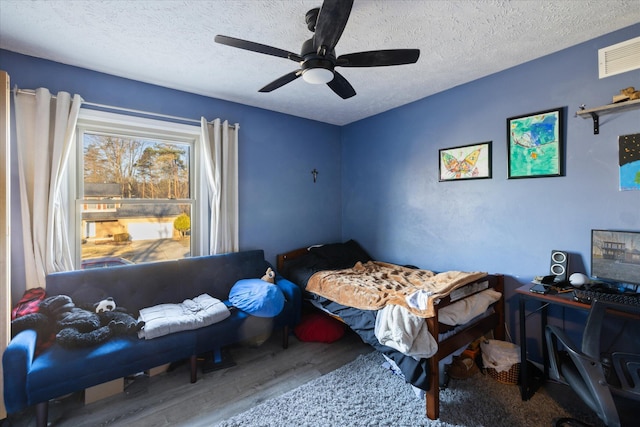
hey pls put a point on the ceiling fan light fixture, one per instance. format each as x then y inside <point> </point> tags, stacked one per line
<point>317,76</point>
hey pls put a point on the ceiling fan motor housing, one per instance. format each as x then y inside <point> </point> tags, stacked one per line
<point>315,61</point>
<point>309,52</point>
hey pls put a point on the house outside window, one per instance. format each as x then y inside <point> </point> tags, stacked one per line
<point>135,190</point>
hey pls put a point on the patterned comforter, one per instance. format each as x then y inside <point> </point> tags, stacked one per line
<point>374,284</point>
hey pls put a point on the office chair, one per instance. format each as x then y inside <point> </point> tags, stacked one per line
<point>606,379</point>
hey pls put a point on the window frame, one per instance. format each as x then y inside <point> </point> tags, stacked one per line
<point>96,121</point>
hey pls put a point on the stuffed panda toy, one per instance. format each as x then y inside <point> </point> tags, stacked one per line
<point>107,304</point>
<point>76,327</point>
<point>119,321</point>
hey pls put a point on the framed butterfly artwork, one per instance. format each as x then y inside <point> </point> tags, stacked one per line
<point>465,162</point>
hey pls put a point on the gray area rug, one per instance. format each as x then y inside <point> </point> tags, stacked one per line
<point>364,393</point>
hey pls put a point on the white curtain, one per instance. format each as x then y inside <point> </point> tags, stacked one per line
<point>219,166</point>
<point>45,130</point>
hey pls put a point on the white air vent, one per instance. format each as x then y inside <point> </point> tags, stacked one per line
<point>619,58</point>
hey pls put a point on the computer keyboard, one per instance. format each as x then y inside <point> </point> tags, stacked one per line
<point>587,296</point>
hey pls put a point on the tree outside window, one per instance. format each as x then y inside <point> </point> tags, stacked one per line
<point>136,200</point>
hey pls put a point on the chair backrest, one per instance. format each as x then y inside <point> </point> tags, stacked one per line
<point>601,316</point>
<point>604,344</point>
<point>608,363</point>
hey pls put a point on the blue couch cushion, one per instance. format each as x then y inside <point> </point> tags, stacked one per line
<point>59,371</point>
<point>257,297</point>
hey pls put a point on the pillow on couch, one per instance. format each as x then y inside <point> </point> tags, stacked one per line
<point>257,297</point>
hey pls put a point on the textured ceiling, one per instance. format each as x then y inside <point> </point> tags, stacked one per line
<point>170,43</point>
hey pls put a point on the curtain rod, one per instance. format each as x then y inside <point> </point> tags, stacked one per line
<point>127,110</point>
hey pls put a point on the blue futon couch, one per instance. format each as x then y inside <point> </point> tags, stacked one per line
<point>34,380</point>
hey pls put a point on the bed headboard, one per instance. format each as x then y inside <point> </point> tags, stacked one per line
<point>281,258</point>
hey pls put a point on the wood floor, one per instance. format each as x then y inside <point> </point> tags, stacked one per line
<point>169,399</point>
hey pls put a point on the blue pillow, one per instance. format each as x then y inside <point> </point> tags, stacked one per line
<point>257,297</point>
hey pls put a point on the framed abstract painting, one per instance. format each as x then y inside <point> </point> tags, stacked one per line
<point>535,144</point>
<point>465,162</point>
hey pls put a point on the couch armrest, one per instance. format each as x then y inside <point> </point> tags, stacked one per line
<point>293,296</point>
<point>16,363</point>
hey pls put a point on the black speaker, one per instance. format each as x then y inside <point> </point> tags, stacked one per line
<point>560,265</point>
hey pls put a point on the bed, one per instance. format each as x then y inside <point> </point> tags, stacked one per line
<point>324,272</point>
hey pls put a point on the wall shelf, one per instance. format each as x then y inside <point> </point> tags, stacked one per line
<point>596,112</point>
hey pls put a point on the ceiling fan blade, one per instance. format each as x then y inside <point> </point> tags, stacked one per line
<point>287,78</point>
<point>341,86</point>
<point>379,58</point>
<point>257,47</point>
<point>332,19</point>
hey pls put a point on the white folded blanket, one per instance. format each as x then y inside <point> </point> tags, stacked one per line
<point>164,319</point>
<point>461,312</point>
<point>398,328</point>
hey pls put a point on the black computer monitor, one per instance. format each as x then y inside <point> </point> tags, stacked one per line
<point>615,256</point>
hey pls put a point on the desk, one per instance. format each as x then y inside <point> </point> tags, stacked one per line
<point>527,388</point>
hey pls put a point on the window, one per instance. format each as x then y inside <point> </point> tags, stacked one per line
<point>135,190</point>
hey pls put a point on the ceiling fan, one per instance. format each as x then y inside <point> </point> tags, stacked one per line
<point>318,59</point>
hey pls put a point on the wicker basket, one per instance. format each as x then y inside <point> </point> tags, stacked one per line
<point>506,377</point>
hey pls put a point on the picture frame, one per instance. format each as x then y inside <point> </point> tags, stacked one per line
<point>535,144</point>
<point>465,162</point>
<point>629,161</point>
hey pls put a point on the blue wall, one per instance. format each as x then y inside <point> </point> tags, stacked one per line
<point>280,206</point>
<point>394,205</point>
<point>378,179</point>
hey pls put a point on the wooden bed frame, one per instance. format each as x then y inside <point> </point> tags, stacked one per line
<point>494,322</point>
